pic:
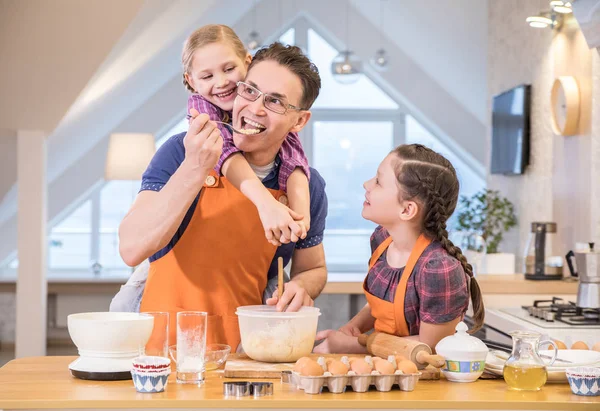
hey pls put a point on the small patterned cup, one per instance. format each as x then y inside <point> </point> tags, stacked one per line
<point>150,373</point>
<point>584,380</point>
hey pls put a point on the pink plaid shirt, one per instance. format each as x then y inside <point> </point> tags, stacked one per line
<point>436,291</point>
<point>291,153</point>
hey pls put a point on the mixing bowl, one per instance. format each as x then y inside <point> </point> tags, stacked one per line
<point>272,336</point>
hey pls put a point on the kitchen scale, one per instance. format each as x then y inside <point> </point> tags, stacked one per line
<point>107,343</point>
<point>107,367</point>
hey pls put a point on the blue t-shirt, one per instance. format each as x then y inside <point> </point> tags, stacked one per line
<point>169,157</point>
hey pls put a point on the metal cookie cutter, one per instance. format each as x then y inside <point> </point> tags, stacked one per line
<point>239,389</point>
<point>236,389</point>
<point>260,389</point>
<point>286,377</point>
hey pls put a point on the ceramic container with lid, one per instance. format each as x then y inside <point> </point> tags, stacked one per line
<point>464,354</point>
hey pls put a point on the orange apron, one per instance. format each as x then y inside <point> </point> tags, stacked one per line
<point>220,263</point>
<point>389,316</point>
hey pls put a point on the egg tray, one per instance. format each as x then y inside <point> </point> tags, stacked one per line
<point>338,384</point>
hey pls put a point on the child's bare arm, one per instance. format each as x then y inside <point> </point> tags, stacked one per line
<point>299,197</point>
<point>279,222</point>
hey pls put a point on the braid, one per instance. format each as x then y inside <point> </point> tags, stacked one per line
<point>431,178</point>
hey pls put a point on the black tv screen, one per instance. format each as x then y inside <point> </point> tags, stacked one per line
<point>510,131</point>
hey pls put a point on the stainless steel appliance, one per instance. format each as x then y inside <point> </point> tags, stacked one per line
<point>539,262</point>
<point>557,318</point>
<point>588,271</point>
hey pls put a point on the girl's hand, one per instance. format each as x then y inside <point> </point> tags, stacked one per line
<point>203,142</point>
<point>280,223</point>
<point>336,342</point>
<point>350,330</point>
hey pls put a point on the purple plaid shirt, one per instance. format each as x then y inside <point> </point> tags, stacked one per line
<point>291,153</point>
<point>436,291</point>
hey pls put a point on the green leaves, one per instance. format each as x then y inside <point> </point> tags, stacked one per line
<point>488,214</point>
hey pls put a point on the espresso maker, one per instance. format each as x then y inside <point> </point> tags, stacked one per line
<point>539,262</point>
<point>588,270</point>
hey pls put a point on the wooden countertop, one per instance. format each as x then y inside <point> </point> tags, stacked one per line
<point>348,283</point>
<point>45,382</point>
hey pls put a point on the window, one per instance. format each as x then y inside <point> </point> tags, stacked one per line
<point>470,181</point>
<point>343,154</point>
<point>70,240</point>
<point>362,94</point>
<point>348,151</point>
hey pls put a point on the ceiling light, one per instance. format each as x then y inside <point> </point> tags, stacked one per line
<point>563,7</point>
<point>346,67</point>
<point>539,22</point>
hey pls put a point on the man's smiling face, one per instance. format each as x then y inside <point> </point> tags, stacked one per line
<point>270,78</point>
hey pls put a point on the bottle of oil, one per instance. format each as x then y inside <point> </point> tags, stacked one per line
<point>525,378</point>
<point>524,369</point>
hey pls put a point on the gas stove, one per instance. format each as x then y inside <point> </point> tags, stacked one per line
<point>556,318</point>
<point>564,311</point>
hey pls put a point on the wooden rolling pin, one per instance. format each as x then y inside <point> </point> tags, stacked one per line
<point>384,345</point>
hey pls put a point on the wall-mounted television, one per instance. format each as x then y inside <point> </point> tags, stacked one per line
<point>510,131</point>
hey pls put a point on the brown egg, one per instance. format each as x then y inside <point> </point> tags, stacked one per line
<point>383,366</point>
<point>596,346</point>
<point>400,358</point>
<point>311,369</point>
<point>407,367</point>
<point>336,367</point>
<point>579,345</point>
<point>360,366</point>
<point>559,344</point>
<point>300,363</point>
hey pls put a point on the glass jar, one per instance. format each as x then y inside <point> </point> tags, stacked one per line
<point>525,370</point>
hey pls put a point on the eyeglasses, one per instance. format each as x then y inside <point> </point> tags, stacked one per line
<point>275,104</point>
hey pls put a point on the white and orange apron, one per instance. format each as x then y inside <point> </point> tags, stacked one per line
<point>220,263</point>
<point>389,316</point>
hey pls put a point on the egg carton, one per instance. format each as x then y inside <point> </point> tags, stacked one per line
<point>338,384</point>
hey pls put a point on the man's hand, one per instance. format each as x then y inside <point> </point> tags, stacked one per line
<point>281,224</point>
<point>203,142</point>
<point>336,342</point>
<point>294,297</point>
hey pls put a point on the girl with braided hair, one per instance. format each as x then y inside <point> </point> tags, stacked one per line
<point>419,283</point>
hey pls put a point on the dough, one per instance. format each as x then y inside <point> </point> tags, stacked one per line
<point>285,342</point>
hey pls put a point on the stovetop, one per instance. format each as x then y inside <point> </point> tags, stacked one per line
<point>561,311</point>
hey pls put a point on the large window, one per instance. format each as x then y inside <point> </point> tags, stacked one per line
<point>352,129</point>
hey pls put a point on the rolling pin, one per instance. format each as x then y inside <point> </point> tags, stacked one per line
<point>384,345</point>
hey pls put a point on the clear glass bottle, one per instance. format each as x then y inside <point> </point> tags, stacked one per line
<point>525,370</point>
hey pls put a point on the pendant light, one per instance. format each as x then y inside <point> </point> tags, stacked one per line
<point>380,60</point>
<point>254,41</point>
<point>346,67</point>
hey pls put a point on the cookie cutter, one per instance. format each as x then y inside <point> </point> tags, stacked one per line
<point>239,389</point>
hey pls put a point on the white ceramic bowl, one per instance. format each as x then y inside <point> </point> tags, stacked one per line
<point>271,336</point>
<point>109,333</point>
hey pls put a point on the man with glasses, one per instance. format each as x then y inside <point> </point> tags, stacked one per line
<point>217,258</point>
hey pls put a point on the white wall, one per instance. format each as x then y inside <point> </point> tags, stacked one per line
<point>446,38</point>
<point>50,50</point>
<point>561,182</point>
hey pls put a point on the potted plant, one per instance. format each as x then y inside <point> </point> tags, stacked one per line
<point>489,215</point>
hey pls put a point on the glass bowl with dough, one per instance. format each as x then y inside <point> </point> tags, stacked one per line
<point>272,336</point>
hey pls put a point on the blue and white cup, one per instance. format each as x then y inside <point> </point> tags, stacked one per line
<point>584,380</point>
